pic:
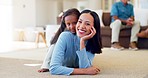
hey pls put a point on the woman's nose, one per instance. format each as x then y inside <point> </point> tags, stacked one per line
<point>82,25</point>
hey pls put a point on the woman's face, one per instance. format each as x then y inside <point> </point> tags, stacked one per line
<point>71,21</point>
<point>84,24</point>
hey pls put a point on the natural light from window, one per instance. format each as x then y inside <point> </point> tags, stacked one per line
<point>5,25</point>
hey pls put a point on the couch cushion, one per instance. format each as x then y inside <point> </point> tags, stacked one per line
<point>106,18</point>
<point>106,31</point>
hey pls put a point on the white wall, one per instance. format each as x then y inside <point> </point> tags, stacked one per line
<point>42,12</point>
<point>24,13</point>
<point>143,4</point>
<point>54,10</point>
<point>46,12</point>
<point>82,5</point>
<point>5,24</point>
<point>69,4</point>
<point>31,13</point>
<point>95,4</point>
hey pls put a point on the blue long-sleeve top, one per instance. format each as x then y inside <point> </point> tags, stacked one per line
<point>67,55</point>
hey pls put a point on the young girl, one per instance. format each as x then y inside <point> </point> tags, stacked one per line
<point>69,20</point>
<point>74,54</point>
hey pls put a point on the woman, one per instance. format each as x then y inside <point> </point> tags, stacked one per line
<point>69,20</point>
<point>74,54</point>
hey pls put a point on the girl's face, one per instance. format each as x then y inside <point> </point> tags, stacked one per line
<point>71,21</point>
<point>84,24</point>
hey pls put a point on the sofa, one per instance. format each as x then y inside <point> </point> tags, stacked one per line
<point>124,37</point>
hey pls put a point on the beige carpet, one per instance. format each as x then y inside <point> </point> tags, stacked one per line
<point>122,64</point>
<point>18,68</point>
<point>113,64</point>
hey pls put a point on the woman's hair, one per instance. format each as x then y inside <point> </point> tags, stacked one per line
<point>72,11</point>
<point>94,44</point>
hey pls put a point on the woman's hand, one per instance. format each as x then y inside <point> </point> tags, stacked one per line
<point>86,71</point>
<point>92,70</point>
<point>92,33</point>
<point>83,39</point>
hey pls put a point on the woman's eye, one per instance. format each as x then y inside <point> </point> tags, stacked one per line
<point>87,24</point>
<point>80,21</point>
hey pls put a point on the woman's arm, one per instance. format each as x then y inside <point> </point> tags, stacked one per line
<point>85,38</point>
<point>85,58</point>
<point>86,71</point>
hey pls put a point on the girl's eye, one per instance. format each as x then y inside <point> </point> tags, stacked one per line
<point>74,23</point>
<point>68,24</point>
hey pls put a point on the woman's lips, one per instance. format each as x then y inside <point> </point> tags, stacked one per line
<point>81,31</point>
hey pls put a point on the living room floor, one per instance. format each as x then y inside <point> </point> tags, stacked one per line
<point>24,50</point>
<point>25,61</point>
<point>29,50</point>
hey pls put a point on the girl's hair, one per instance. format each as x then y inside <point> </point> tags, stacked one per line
<point>94,44</point>
<point>72,11</point>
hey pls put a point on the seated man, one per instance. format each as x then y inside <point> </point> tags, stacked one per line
<point>143,34</point>
<point>123,17</point>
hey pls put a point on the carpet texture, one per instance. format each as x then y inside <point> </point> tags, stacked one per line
<point>122,64</point>
<point>15,68</point>
<point>113,64</point>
